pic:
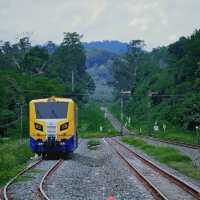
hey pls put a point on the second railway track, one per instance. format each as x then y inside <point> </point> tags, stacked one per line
<point>174,142</point>
<point>41,194</point>
<point>161,183</point>
<point>6,195</point>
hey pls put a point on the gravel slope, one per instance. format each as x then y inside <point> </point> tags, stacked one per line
<point>94,175</point>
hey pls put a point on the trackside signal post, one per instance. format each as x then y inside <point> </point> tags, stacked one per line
<point>21,104</point>
<point>72,80</point>
<point>122,114</point>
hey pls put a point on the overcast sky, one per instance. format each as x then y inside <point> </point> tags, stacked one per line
<point>157,22</point>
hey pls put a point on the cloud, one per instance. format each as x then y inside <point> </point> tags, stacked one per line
<point>172,38</point>
<point>157,22</point>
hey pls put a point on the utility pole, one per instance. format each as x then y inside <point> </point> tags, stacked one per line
<point>149,119</point>
<point>72,80</point>
<point>21,102</point>
<point>21,122</point>
<point>122,108</point>
<point>148,112</point>
<point>150,95</point>
<point>122,114</point>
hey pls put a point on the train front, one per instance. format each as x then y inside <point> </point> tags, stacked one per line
<point>52,125</point>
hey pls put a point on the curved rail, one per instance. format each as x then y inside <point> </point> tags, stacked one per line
<point>44,178</point>
<point>158,195</point>
<point>5,190</point>
<point>185,186</point>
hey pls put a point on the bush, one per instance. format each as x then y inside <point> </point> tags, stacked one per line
<point>13,158</point>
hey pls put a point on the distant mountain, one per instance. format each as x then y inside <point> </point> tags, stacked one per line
<point>49,46</point>
<point>113,46</point>
<point>98,57</point>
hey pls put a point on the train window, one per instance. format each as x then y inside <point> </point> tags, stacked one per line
<point>51,110</point>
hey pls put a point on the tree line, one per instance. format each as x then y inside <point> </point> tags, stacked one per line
<point>30,72</point>
<point>164,82</point>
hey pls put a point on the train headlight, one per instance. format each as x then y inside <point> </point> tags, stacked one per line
<point>64,126</point>
<point>38,127</point>
<point>62,143</point>
<point>40,144</point>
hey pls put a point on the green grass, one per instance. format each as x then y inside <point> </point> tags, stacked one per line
<point>166,155</point>
<point>172,133</point>
<point>13,158</point>
<point>23,178</point>
<point>36,170</point>
<point>141,127</point>
<point>97,134</point>
<point>92,144</point>
<point>90,120</point>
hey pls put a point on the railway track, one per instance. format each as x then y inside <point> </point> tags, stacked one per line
<point>158,181</point>
<point>192,146</point>
<point>116,123</point>
<point>6,195</point>
<point>44,178</point>
<point>41,192</point>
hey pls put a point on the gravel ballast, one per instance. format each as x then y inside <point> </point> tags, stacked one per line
<point>194,154</point>
<point>187,179</point>
<point>26,187</point>
<point>95,175</point>
<point>168,188</point>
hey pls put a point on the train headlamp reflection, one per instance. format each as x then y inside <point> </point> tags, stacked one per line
<point>38,127</point>
<point>64,126</point>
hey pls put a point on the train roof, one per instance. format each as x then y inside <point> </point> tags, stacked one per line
<point>52,99</point>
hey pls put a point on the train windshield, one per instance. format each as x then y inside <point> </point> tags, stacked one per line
<point>51,110</point>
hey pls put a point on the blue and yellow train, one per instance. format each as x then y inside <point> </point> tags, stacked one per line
<point>53,125</point>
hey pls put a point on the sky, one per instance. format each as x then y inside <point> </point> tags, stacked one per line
<point>157,22</point>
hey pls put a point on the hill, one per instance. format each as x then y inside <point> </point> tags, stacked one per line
<point>113,46</point>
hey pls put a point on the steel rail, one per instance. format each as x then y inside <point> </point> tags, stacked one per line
<point>158,195</point>
<point>5,189</point>
<point>46,175</point>
<point>195,192</point>
<point>174,142</point>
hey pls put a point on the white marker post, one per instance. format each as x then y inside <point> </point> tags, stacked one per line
<point>164,127</point>
<point>101,128</point>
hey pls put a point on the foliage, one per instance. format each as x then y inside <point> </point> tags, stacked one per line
<point>13,158</point>
<point>164,83</point>
<point>29,72</point>
<point>90,120</point>
<point>92,144</point>
<point>67,58</point>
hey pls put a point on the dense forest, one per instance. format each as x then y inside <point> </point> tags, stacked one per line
<point>29,72</point>
<point>164,83</point>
